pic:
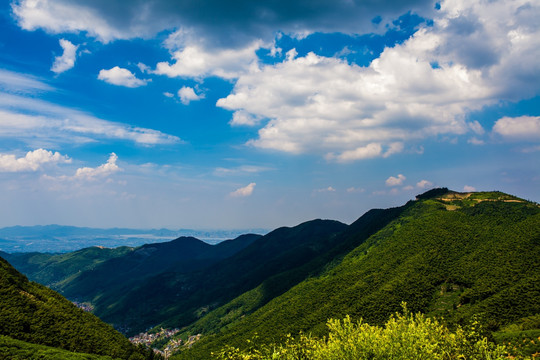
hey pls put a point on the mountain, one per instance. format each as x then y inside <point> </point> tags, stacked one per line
<point>447,254</point>
<point>119,274</point>
<point>176,298</point>
<point>58,238</point>
<point>91,272</point>
<point>33,316</point>
<point>52,270</point>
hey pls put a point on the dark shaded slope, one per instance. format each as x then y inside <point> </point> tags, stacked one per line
<point>180,298</point>
<point>185,254</point>
<point>35,314</point>
<point>453,255</point>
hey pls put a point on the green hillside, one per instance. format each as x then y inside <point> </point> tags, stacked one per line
<point>19,350</point>
<point>34,314</point>
<point>447,254</point>
<point>53,270</point>
<point>177,298</point>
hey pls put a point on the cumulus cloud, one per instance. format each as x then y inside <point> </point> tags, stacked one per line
<point>104,170</point>
<point>67,60</point>
<point>329,106</point>
<point>468,188</point>
<point>395,181</point>
<point>121,77</point>
<point>243,191</point>
<point>32,161</point>
<point>364,152</point>
<point>423,184</point>
<point>195,61</point>
<point>187,94</point>
<point>241,117</point>
<point>523,127</point>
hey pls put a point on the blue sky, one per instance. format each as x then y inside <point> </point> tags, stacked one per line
<point>245,114</point>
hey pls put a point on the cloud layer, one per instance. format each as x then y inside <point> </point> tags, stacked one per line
<point>422,88</point>
<point>217,21</point>
<point>31,120</point>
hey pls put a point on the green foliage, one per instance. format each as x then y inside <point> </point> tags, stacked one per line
<point>35,314</point>
<point>178,298</point>
<point>54,270</point>
<point>19,350</point>
<point>480,260</point>
<point>404,336</point>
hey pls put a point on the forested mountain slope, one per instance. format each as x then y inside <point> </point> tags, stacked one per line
<point>447,254</point>
<point>179,298</point>
<point>34,314</point>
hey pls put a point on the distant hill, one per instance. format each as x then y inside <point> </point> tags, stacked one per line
<point>120,274</point>
<point>59,238</point>
<point>33,316</point>
<point>449,254</point>
<point>177,298</point>
<point>91,272</point>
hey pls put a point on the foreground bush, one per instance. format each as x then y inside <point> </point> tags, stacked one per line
<point>405,336</point>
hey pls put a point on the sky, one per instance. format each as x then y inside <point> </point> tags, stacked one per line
<point>258,114</point>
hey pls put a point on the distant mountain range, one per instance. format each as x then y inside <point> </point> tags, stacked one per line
<point>463,257</point>
<point>58,238</point>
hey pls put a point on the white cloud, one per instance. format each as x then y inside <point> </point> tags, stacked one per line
<point>104,170</point>
<point>523,127</point>
<point>120,76</point>
<point>195,61</point>
<point>240,170</point>
<point>241,117</point>
<point>327,189</point>
<point>187,94</point>
<point>243,191</point>
<point>365,152</point>
<point>353,189</point>
<point>394,148</point>
<point>66,17</point>
<point>476,127</point>
<point>67,60</point>
<point>476,141</point>
<point>77,127</point>
<point>423,184</point>
<point>327,106</point>
<point>468,188</point>
<point>39,123</point>
<point>13,82</point>
<point>395,181</point>
<point>32,161</point>
<point>168,94</point>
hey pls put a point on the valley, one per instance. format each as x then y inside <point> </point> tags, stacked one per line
<point>460,258</point>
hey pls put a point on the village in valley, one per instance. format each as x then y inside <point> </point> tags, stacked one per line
<point>163,339</point>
